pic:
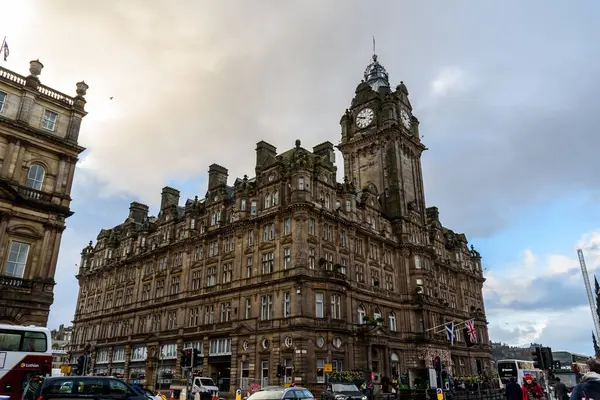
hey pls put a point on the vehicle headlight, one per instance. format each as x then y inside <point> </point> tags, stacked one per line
<point>340,397</point>
<point>364,398</point>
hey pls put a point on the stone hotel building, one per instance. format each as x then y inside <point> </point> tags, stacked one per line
<point>289,267</point>
<point>39,132</point>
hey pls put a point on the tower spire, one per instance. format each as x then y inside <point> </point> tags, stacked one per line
<point>375,74</point>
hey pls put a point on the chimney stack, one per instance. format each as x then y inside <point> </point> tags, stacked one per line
<point>169,197</point>
<point>217,176</point>
<point>264,152</point>
<point>138,212</point>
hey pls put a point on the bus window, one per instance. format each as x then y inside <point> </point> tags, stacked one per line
<point>10,340</point>
<point>34,342</point>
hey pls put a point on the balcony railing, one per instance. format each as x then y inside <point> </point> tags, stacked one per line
<point>15,283</point>
<point>33,194</point>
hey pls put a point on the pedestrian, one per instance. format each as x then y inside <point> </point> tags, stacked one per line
<point>560,390</point>
<point>513,390</point>
<point>532,390</point>
<point>589,387</point>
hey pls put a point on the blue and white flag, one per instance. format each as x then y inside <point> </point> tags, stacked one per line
<point>4,49</point>
<point>450,331</point>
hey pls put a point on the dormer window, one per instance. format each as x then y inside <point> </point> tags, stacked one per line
<point>243,205</point>
<point>267,200</point>
<point>253,207</point>
<point>301,183</point>
<point>348,206</point>
<point>192,223</point>
<point>327,201</point>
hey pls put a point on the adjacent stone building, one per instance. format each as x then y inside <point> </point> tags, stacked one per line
<point>39,129</point>
<point>289,268</point>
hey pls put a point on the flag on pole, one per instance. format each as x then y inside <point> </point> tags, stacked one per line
<point>470,326</point>
<point>450,332</point>
<point>4,49</point>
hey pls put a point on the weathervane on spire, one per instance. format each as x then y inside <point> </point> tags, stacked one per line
<point>374,53</point>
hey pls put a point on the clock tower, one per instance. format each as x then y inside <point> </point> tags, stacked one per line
<point>381,145</point>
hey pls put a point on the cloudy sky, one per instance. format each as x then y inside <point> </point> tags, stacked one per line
<point>507,97</point>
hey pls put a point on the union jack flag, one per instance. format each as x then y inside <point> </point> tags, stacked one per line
<point>470,325</point>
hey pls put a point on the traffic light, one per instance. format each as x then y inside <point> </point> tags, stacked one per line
<point>195,358</point>
<point>437,364</point>
<point>186,358</point>
<point>547,359</point>
<point>80,365</point>
<point>538,359</point>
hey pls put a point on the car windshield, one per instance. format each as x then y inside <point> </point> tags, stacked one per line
<point>207,382</point>
<point>338,387</point>
<point>267,395</point>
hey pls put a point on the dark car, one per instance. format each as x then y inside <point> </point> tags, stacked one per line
<point>280,393</point>
<point>342,391</point>
<point>80,387</point>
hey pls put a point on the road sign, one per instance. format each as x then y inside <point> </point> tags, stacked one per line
<point>65,369</point>
<point>328,368</point>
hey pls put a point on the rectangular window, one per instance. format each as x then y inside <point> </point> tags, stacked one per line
<point>175,285</point>
<point>243,205</point>
<point>287,258</point>
<point>209,315</point>
<point>336,304</point>
<point>311,258</point>
<point>301,183</point>
<point>193,317</point>
<point>319,305</point>
<point>49,120</point>
<point>251,237</point>
<point>248,308</point>
<point>196,279</point>
<point>287,305</point>
<point>2,101</point>
<point>249,261</point>
<point>227,273</point>
<point>266,309</point>
<point>348,206</point>
<point>225,312</point>
<point>17,259</point>
<point>14,340</point>
<point>268,263</point>
<point>320,371</point>
<point>253,207</point>
<point>311,226</point>
<point>287,226</point>
<point>211,276</point>
<point>343,265</point>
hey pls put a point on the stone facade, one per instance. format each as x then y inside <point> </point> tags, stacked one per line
<point>38,153</point>
<point>290,268</point>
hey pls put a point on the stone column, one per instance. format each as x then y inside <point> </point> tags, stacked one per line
<point>8,157</point>
<point>16,175</point>
<point>52,266</point>
<point>60,175</point>
<point>4,217</point>
<point>36,270</point>
<point>69,178</point>
<point>370,357</point>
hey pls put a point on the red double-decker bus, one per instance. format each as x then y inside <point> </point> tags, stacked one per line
<point>25,352</point>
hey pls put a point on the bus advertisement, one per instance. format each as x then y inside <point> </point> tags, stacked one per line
<point>25,352</point>
<point>517,369</point>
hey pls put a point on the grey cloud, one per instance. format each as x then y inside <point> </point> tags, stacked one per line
<point>199,83</point>
<point>547,293</point>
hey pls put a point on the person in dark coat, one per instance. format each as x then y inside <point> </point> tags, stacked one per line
<point>560,390</point>
<point>589,387</point>
<point>513,390</point>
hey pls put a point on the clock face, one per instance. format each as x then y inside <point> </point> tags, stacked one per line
<point>405,119</point>
<point>364,118</point>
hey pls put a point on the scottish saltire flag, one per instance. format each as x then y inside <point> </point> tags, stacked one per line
<point>5,50</point>
<point>450,331</point>
<point>470,325</point>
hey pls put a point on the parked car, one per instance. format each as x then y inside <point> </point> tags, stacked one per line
<point>281,393</point>
<point>342,391</point>
<point>72,387</point>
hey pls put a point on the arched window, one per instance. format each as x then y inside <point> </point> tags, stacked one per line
<point>35,176</point>
<point>377,315</point>
<point>361,314</point>
<point>327,201</point>
<point>275,198</point>
<point>392,321</point>
<point>268,200</point>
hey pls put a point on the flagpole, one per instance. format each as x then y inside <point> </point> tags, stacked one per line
<point>444,324</point>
